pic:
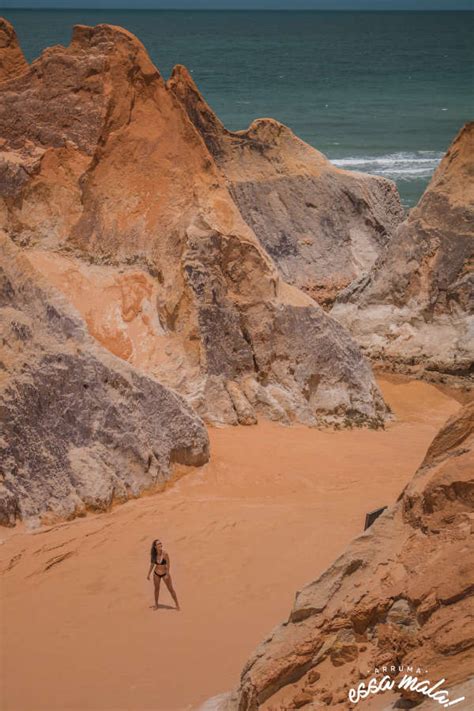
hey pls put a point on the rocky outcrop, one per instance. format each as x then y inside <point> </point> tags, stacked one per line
<point>414,311</point>
<point>400,595</point>
<point>81,429</point>
<point>12,60</point>
<point>105,180</point>
<point>323,226</point>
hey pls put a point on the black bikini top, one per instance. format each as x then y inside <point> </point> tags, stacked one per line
<point>162,562</point>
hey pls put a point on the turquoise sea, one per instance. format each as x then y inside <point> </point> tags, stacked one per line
<point>383,92</point>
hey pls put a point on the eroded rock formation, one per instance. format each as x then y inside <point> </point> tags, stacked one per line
<point>107,182</point>
<point>81,429</point>
<point>401,594</point>
<point>12,60</point>
<point>323,226</point>
<point>414,312</point>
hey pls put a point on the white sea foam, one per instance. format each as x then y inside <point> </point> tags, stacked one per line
<point>397,166</point>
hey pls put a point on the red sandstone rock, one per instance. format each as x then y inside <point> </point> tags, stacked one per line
<point>81,429</point>
<point>12,61</point>
<point>323,226</point>
<point>401,594</point>
<point>105,179</point>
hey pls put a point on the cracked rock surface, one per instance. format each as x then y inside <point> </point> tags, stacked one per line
<point>112,194</point>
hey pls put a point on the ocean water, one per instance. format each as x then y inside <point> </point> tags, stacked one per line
<point>381,92</point>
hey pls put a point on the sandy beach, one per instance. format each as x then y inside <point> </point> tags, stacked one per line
<point>270,512</point>
<point>206,265</point>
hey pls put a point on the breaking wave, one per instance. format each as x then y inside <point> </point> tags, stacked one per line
<point>397,166</point>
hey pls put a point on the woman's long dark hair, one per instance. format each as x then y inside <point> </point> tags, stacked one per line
<point>153,553</point>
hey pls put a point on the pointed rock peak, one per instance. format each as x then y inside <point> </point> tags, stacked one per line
<point>12,60</point>
<point>86,35</point>
<point>182,76</point>
<point>184,88</point>
<point>80,93</point>
<point>264,130</point>
<point>464,138</point>
<point>268,130</point>
<point>453,178</point>
<point>113,40</point>
<point>460,154</point>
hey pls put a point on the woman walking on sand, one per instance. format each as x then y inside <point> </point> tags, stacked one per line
<point>160,561</point>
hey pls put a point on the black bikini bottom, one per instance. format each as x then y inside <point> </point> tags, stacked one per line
<point>160,575</point>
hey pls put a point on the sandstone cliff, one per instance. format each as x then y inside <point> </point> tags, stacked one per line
<point>414,311</point>
<point>400,594</point>
<point>12,61</point>
<point>107,183</point>
<point>80,428</point>
<point>323,226</point>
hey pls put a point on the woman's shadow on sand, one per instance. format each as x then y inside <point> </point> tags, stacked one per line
<point>164,607</point>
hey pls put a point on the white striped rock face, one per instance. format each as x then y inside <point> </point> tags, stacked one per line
<point>110,191</point>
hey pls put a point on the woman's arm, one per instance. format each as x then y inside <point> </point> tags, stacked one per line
<point>152,565</point>
<point>167,558</point>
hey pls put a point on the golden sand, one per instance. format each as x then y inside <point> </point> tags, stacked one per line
<point>270,512</point>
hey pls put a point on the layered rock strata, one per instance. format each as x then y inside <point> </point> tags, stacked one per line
<point>323,226</point>
<point>105,180</point>
<point>12,60</point>
<point>414,312</point>
<point>81,429</point>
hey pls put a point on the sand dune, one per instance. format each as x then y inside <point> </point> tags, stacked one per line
<point>271,510</point>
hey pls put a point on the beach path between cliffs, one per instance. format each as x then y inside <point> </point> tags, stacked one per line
<point>269,513</point>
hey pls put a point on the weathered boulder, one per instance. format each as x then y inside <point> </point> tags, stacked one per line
<point>414,312</point>
<point>323,226</point>
<point>401,594</point>
<point>106,177</point>
<point>81,429</point>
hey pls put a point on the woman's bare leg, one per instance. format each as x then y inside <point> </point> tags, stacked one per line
<point>170,587</point>
<point>157,589</point>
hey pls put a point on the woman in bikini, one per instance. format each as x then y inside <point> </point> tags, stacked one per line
<point>160,561</point>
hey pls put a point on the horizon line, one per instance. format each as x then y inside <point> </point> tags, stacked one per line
<point>230,9</point>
